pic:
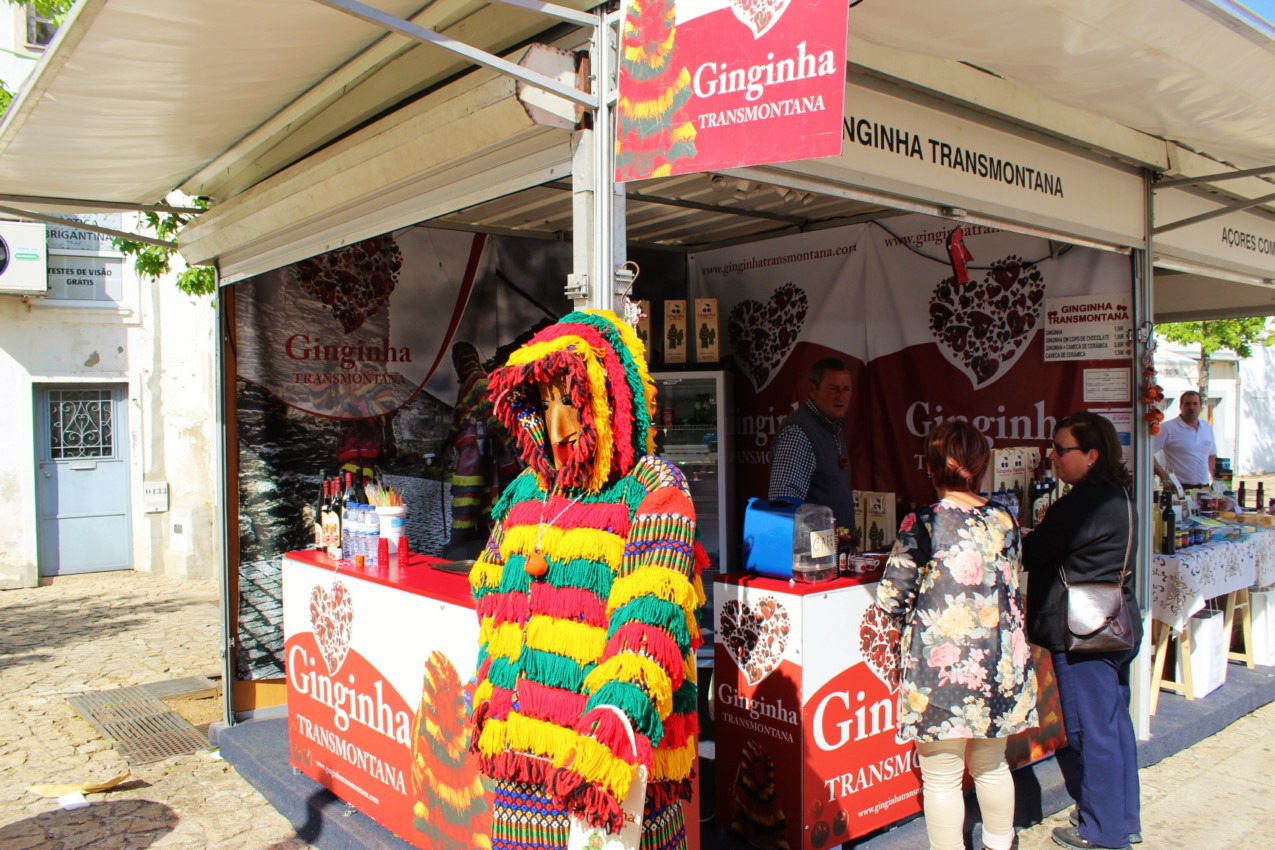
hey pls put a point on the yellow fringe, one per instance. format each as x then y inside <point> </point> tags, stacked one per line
<point>674,764</point>
<point>591,760</point>
<point>468,480</point>
<point>484,573</point>
<point>458,798</point>
<point>505,641</point>
<point>591,543</point>
<point>482,693</point>
<point>684,133</point>
<point>656,107</point>
<point>631,667</point>
<point>637,357</point>
<point>578,641</point>
<point>662,171</point>
<point>661,582</point>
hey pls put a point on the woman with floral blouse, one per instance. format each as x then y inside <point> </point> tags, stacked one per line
<point>967,679</point>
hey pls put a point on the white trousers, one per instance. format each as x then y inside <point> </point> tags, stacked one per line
<point>943,766</point>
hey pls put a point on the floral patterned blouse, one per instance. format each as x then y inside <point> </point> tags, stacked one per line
<point>952,579</point>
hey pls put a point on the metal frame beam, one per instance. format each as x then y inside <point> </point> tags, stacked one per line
<point>1220,211</point>
<point>1213,178</point>
<point>481,57</point>
<point>696,205</point>
<point>80,225</point>
<point>81,204</point>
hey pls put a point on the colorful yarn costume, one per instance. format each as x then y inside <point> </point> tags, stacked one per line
<point>614,620</point>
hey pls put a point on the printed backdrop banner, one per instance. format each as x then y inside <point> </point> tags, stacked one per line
<point>712,84</point>
<point>922,348</point>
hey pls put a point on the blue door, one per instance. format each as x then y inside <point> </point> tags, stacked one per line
<point>82,480</point>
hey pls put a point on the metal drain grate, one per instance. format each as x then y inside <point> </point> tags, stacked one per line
<point>190,687</point>
<point>143,729</point>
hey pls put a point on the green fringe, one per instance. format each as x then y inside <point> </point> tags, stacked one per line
<point>686,698</point>
<point>513,577</point>
<point>555,670</point>
<point>654,612</point>
<point>630,698</point>
<point>584,573</point>
<point>503,673</point>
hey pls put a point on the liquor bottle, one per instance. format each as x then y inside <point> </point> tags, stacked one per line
<point>1157,520</point>
<point>1242,499</point>
<point>319,501</point>
<point>332,520</point>
<point>1261,497</point>
<point>1170,540</point>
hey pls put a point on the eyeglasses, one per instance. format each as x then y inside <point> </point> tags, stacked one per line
<point>1062,450</point>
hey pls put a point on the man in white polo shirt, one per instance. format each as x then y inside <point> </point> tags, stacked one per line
<point>1187,444</point>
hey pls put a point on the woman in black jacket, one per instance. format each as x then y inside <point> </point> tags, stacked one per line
<point>1090,533</point>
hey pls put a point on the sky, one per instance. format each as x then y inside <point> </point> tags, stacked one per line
<point>1264,9</point>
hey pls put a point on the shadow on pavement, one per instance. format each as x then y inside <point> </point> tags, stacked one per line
<point>29,629</point>
<point>134,824</point>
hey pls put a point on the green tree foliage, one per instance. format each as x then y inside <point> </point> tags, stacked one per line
<point>1214,335</point>
<point>151,261</point>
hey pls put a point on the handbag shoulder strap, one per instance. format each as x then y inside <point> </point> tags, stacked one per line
<point>1128,546</point>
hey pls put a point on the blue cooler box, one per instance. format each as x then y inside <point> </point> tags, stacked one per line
<point>768,536</point>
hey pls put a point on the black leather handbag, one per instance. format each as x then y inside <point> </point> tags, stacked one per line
<point>1098,619</point>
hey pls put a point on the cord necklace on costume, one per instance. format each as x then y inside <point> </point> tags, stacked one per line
<point>536,565</point>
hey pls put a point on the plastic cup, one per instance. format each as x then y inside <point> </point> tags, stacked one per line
<point>392,519</point>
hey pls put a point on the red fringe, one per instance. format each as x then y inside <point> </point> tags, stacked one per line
<point>651,641</point>
<point>677,728</point>
<point>503,607</point>
<point>516,767</point>
<point>596,806</point>
<point>667,500</point>
<point>605,726</point>
<point>667,791</point>
<point>545,702</point>
<point>501,703</point>
<point>569,603</point>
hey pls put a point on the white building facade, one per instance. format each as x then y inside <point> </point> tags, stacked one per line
<point>108,382</point>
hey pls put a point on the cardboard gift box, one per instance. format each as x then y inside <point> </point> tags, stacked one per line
<point>879,522</point>
<point>675,331</point>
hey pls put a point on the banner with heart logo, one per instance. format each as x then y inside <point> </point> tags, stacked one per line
<point>921,345</point>
<point>712,84</point>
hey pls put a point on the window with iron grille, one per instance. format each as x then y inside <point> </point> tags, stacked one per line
<point>80,424</point>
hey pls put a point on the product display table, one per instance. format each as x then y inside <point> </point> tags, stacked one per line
<point>1183,583</point>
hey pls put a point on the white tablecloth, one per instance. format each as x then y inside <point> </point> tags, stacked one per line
<point>1181,584</point>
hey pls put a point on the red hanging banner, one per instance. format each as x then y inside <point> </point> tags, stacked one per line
<point>713,84</point>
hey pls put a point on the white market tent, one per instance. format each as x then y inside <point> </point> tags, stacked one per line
<point>310,129</point>
<point>227,98</point>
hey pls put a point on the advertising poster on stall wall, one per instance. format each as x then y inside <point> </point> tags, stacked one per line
<point>712,84</point>
<point>350,360</point>
<point>921,347</point>
<point>381,718</point>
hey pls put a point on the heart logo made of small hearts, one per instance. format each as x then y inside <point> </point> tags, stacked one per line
<point>879,644</point>
<point>353,282</point>
<point>755,637</point>
<point>763,335</point>
<point>983,326</point>
<point>759,15</point>
<point>331,618</point>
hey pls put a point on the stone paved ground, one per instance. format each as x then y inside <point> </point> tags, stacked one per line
<point>88,633</point>
<point>114,629</point>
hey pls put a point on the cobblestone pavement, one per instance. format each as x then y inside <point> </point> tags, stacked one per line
<point>109,630</point>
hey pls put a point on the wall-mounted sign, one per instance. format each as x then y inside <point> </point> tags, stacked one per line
<point>155,496</point>
<point>66,237</point>
<point>1088,327</point>
<point>76,277</point>
<point>712,84</point>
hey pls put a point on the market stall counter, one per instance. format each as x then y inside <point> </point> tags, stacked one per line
<point>805,714</point>
<point>805,693</point>
<point>379,675</point>
<point>378,663</point>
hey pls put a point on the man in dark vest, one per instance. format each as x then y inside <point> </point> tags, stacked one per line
<point>808,459</point>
